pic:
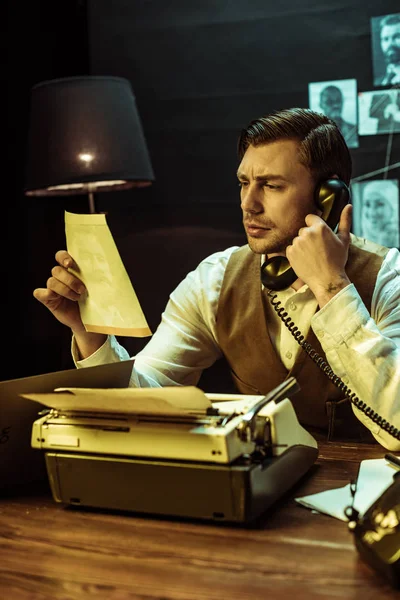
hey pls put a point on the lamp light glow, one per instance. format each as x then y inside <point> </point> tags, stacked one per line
<point>85,136</point>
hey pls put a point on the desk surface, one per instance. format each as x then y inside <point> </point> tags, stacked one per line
<point>48,551</point>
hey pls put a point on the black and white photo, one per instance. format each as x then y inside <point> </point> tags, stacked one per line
<point>385,46</point>
<point>338,101</point>
<point>379,112</point>
<point>376,211</point>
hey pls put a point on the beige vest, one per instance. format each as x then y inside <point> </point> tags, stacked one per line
<point>242,333</point>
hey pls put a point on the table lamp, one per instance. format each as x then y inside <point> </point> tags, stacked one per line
<point>85,136</point>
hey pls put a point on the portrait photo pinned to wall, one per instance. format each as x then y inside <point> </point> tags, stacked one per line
<point>379,112</point>
<point>376,211</point>
<point>385,47</point>
<point>338,101</point>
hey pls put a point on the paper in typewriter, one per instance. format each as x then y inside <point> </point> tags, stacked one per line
<point>110,305</point>
<point>174,400</point>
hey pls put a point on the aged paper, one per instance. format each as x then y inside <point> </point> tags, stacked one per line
<point>175,400</point>
<point>110,305</point>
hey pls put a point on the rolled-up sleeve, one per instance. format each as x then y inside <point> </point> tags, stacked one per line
<point>364,349</point>
<point>184,343</point>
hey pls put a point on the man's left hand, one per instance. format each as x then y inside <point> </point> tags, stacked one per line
<point>319,256</point>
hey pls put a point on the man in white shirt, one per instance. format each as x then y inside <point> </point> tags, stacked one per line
<point>343,296</point>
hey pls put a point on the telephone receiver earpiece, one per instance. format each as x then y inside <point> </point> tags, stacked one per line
<point>331,197</point>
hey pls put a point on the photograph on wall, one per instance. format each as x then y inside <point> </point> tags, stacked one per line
<point>376,211</point>
<point>338,101</point>
<point>379,112</point>
<point>385,48</point>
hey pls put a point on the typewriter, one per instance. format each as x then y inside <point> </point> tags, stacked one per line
<point>173,451</point>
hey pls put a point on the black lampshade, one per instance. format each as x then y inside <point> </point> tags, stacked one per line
<point>85,135</point>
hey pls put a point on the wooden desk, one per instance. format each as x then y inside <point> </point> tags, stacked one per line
<point>51,552</point>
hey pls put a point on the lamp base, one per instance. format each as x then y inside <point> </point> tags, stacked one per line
<point>92,205</point>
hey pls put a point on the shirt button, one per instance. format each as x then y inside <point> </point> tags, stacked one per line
<point>321,334</point>
<point>345,380</point>
<point>292,306</point>
<point>288,355</point>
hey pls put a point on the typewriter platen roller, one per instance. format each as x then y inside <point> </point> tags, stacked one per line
<point>228,463</point>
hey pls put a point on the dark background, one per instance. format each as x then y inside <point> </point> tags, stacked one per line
<point>200,71</point>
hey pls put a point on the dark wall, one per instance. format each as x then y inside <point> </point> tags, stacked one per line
<point>200,70</point>
<point>45,40</point>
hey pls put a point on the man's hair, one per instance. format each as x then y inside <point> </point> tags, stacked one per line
<point>322,148</point>
<point>389,20</point>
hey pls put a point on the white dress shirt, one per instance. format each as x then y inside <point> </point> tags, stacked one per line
<point>362,349</point>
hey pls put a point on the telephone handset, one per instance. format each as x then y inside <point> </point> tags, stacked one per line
<point>331,197</point>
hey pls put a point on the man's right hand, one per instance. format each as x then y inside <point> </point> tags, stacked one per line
<point>61,295</point>
<point>62,292</point>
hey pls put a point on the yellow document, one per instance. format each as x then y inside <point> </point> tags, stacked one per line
<point>174,400</point>
<point>110,305</point>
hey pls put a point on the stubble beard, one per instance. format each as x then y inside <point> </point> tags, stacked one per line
<point>274,245</point>
<point>277,239</point>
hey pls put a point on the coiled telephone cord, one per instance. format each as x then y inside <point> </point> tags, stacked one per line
<point>325,367</point>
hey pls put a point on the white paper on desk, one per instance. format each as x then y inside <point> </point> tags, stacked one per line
<point>167,400</point>
<point>375,475</point>
<point>111,305</point>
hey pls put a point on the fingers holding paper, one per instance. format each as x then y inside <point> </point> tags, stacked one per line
<point>62,292</point>
<point>93,295</point>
